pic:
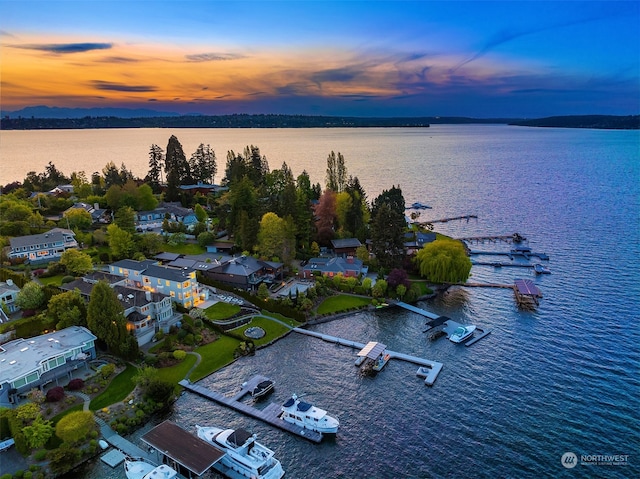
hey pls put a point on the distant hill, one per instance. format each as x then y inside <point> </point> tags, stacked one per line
<point>43,111</point>
<point>607,122</point>
<point>230,121</point>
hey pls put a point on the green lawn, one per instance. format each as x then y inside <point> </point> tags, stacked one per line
<point>272,329</point>
<point>423,287</point>
<point>117,390</point>
<point>187,248</point>
<point>342,302</point>
<point>53,280</point>
<point>221,310</point>
<point>214,356</point>
<point>284,319</point>
<point>176,373</point>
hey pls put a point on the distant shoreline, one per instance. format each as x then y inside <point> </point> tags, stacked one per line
<point>631,122</point>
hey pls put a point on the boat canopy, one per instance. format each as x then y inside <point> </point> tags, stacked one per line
<point>304,406</point>
<point>238,437</point>
<point>289,402</point>
<point>372,350</point>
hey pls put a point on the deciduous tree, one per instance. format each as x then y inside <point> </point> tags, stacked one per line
<point>444,261</point>
<point>75,426</point>
<point>120,241</point>
<point>31,296</point>
<point>76,262</point>
<point>67,309</point>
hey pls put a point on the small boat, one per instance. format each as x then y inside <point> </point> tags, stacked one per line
<point>539,269</point>
<point>307,416</point>
<point>140,469</point>
<point>381,361</point>
<point>461,333</point>
<point>245,457</point>
<point>262,389</point>
<point>521,249</point>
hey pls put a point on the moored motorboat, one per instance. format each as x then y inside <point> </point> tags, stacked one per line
<point>245,457</point>
<point>140,469</point>
<point>462,333</point>
<point>262,388</point>
<point>539,269</point>
<point>305,415</point>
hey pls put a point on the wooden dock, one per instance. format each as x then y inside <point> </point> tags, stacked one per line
<point>497,264</point>
<point>511,254</point>
<point>446,220</point>
<point>512,238</point>
<point>434,366</point>
<point>475,339</point>
<point>415,309</point>
<point>270,414</point>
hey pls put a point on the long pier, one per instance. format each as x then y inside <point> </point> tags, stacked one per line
<point>512,238</point>
<point>434,366</point>
<point>512,254</point>
<point>270,414</point>
<point>414,309</point>
<point>446,220</point>
<point>497,264</point>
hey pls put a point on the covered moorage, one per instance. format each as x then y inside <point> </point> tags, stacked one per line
<point>182,450</point>
<point>526,293</point>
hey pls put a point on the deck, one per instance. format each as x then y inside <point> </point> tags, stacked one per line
<point>270,414</point>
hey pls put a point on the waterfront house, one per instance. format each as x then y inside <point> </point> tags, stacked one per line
<point>31,363</point>
<point>415,240</point>
<point>347,267</point>
<point>43,247</point>
<point>180,284</point>
<point>245,272</point>
<point>8,293</point>
<point>345,247</point>
<point>146,312</point>
<point>173,212</point>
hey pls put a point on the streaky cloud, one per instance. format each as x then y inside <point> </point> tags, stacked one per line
<point>212,57</point>
<point>64,48</point>
<point>119,60</point>
<point>505,36</point>
<point>111,86</point>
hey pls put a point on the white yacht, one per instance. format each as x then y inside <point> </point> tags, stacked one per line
<point>310,417</point>
<point>139,469</point>
<point>461,333</point>
<point>245,457</point>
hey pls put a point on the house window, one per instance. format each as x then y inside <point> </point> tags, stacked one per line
<point>179,295</point>
<point>147,280</point>
<point>173,294</point>
<point>32,377</point>
<point>186,284</point>
<point>168,283</point>
<point>19,383</point>
<point>179,285</point>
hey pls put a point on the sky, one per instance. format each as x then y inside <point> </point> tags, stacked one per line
<point>358,58</point>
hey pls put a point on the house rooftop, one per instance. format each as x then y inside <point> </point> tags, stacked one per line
<point>52,236</point>
<point>346,243</point>
<point>134,265</point>
<point>21,356</point>
<point>172,274</point>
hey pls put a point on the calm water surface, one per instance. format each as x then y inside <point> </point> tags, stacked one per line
<point>562,378</point>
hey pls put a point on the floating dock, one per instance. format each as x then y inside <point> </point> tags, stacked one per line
<point>434,366</point>
<point>512,238</point>
<point>498,264</point>
<point>511,254</point>
<point>270,414</point>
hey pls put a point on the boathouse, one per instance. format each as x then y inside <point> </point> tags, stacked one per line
<point>183,451</point>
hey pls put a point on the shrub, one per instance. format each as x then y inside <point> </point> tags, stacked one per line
<point>67,279</point>
<point>105,257</point>
<point>75,384</point>
<point>75,426</point>
<point>55,394</point>
<point>107,370</point>
<point>179,354</point>
<point>40,455</point>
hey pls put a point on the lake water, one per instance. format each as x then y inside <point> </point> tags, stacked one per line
<point>563,378</point>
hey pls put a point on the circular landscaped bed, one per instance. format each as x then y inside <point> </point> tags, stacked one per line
<point>254,332</point>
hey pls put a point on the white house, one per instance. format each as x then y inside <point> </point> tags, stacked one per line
<point>26,364</point>
<point>43,247</point>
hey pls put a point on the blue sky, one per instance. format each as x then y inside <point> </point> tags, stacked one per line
<point>374,58</point>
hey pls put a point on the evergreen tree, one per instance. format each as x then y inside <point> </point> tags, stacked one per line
<point>176,168</point>
<point>156,163</point>
<point>125,218</point>
<point>106,320</point>
<point>203,164</point>
<point>387,237</point>
<point>111,175</point>
<point>392,198</point>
